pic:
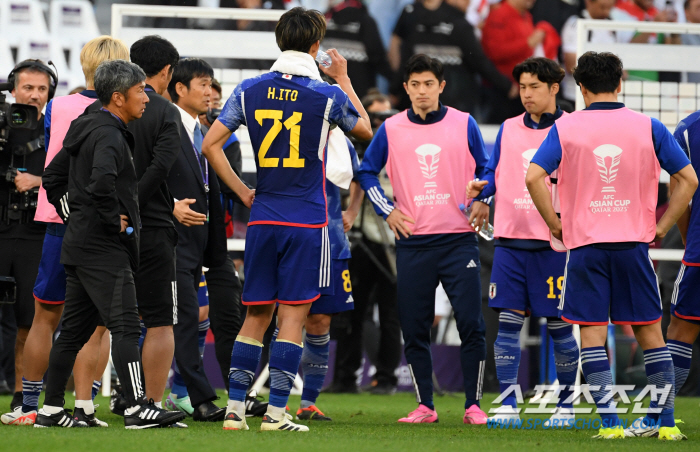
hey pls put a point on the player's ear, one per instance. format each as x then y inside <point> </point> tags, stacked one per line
<point>405,86</point>
<point>554,88</point>
<point>619,87</point>
<point>442,85</point>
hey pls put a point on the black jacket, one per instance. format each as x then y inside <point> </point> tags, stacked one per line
<point>157,139</point>
<point>101,186</point>
<point>354,33</point>
<point>197,244</point>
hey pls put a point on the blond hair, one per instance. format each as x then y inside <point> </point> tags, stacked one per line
<point>98,50</point>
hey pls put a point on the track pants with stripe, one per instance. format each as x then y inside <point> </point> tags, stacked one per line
<point>419,270</point>
<point>94,292</point>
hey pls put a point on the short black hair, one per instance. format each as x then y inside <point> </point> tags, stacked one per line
<point>116,76</point>
<point>547,71</point>
<point>152,53</point>
<point>598,72</point>
<point>300,28</point>
<point>420,63</point>
<point>186,70</point>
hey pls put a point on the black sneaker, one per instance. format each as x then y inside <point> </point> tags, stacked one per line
<point>117,402</point>
<point>62,419</point>
<point>254,405</point>
<point>88,419</point>
<point>150,416</point>
<point>17,400</point>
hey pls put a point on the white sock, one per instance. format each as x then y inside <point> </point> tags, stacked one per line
<point>86,405</point>
<point>131,410</point>
<point>236,406</point>
<point>48,409</point>
<point>277,413</point>
<point>159,404</point>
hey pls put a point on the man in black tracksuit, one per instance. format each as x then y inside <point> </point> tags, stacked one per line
<point>157,141</point>
<point>101,246</point>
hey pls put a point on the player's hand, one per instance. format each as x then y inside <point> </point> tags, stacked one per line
<point>247,197</point>
<point>339,65</point>
<point>397,222</point>
<point>514,91</point>
<point>660,234</point>
<point>187,216</point>
<point>349,219</point>
<point>480,215</point>
<point>26,181</point>
<point>124,222</point>
<point>536,38</point>
<point>475,187</point>
<point>556,231</point>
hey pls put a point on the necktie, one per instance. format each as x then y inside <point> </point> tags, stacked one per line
<point>198,138</point>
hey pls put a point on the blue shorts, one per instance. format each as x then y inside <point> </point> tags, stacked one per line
<point>685,303</point>
<point>527,280</point>
<point>50,285</point>
<point>203,293</point>
<point>617,285</point>
<point>341,300</point>
<point>286,264</point>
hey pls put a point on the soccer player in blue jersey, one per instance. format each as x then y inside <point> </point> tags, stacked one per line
<point>526,270</point>
<point>685,305</point>
<point>289,112</point>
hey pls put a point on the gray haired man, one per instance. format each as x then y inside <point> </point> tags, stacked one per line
<point>101,245</point>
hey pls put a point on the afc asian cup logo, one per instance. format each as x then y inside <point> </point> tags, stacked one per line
<point>429,170</point>
<point>608,173</point>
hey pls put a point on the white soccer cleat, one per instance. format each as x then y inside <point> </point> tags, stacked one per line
<point>17,417</point>
<point>270,424</point>
<point>233,421</point>
<point>505,413</point>
<point>641,428</point>
<point>561,417</point>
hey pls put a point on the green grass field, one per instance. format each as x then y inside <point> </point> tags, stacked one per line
<point>360,423</point>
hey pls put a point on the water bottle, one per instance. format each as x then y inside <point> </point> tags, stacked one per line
<point>486,230</point>
<point>323,59</point>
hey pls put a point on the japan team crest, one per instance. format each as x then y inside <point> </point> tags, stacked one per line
<point>492,290</point>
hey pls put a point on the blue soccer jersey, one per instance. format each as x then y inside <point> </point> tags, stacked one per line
<point>288,119</point>
<point>687,134</point>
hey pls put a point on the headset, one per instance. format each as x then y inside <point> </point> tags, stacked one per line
<point>36,64</point>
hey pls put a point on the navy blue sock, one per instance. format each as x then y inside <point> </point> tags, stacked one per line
<point>31,390</point>
<point>507,352</point>
<point>202,337</point>
<point>681,353</point>
<point>96,385</point>
<point>659,368</point>
<point>470,402</point>
<point>314,365</point>
<point>284,363</point>
<point>566,355</point>
<point>244,361</point>
<point>596,368</point>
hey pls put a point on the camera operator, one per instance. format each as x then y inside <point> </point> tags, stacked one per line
<point>21,166</point>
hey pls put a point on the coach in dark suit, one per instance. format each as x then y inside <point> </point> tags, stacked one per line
<point>200,227</point>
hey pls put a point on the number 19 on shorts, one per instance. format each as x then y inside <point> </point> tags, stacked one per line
<point>550,283</point>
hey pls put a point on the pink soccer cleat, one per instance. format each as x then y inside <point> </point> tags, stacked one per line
<point>421,415</point>
<point>474,415</point>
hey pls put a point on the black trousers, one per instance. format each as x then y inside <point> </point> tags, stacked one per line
<point>92,293</point>
<point>224,312</point>
<point>186,333</point>
<point>369,286</point>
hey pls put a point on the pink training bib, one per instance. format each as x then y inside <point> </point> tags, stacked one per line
<point>516,216</point>
<point>429,167</point>
<point>63,111</point>
<point>608,177</point>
